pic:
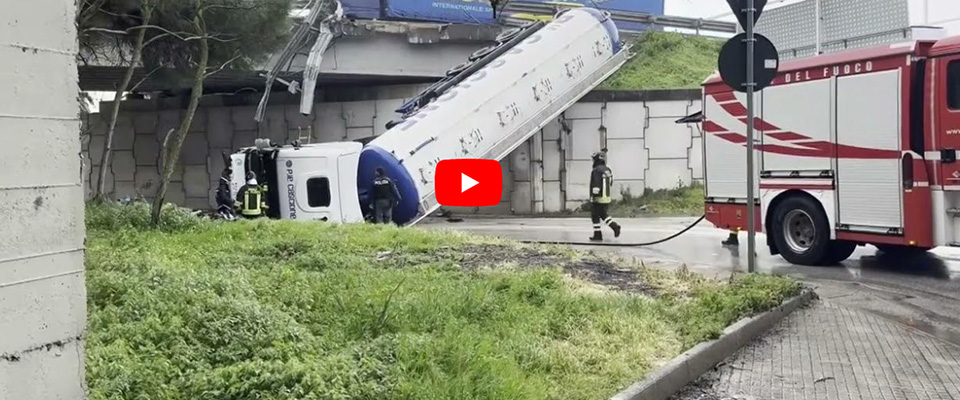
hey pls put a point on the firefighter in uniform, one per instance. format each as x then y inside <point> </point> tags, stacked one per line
<point>250,198</point>
<point>601,181</point>
<point>385,197</point>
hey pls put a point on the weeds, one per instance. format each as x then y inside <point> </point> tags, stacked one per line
<point>682,201</point>
<point>667,60</point>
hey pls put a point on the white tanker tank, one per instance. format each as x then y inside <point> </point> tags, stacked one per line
<point>484,109</point>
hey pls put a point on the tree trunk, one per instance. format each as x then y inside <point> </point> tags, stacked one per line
<point>172,149</point>
<point>99,193</point>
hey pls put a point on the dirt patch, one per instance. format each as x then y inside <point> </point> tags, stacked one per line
<point>489,255</point>
<point>608,274</point>
<point>588,268</point>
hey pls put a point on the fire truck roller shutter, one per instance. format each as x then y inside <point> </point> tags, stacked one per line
<point>373,157</point>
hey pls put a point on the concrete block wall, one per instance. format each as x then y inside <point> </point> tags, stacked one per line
<point>548,173</point>
<point>219,127</point>
<point>646,150</point>
<point>42,292</point>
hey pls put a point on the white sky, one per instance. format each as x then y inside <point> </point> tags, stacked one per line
<point>943,13</point>
<point>696,8</point>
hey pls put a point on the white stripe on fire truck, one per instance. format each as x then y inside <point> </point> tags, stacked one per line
<point>798,182</point>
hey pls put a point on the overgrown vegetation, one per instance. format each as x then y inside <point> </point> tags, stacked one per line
<point>285,310</point>
<point>184,42</point>
<point>667,60</point>
<point>682,201</point>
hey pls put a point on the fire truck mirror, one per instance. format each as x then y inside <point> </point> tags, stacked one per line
<point>948,156</point>
<point>906,166</point>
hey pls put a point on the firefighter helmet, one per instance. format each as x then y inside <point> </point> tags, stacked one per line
<point>600,156</point>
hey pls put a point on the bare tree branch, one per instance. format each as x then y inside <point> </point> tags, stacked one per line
<point>226,7</point>
<point>113,14</point>
<point>105,30</point>
<point>222,66</point>
<point>88,11</point>
<point>142,80</point>
<point>156,38</point>
<point>246,89</point>
<point>179,35</point>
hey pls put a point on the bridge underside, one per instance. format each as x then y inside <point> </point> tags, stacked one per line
<point>106,78</point>
<point>367,53</point>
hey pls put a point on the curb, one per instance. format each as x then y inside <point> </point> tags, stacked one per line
<point>687,367</point>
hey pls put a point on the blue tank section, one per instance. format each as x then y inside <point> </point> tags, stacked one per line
<point>608,24</point>
<point>372,157</point>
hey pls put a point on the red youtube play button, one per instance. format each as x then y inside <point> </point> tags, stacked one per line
<point>469,183</point>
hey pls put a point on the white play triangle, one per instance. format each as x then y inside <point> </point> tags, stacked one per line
<point>466,182</point>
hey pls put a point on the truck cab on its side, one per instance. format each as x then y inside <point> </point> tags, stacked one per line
<point>311,182</point>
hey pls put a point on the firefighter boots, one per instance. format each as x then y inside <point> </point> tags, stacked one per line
<point>732,240</point>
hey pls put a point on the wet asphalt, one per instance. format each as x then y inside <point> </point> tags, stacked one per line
<point>920,292</point>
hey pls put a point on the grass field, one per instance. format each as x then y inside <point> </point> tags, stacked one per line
<point>666,60</point>
<point>282,310</point>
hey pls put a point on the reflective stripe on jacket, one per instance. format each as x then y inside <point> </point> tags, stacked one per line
<point>601,180</point>
<point>252,200</point>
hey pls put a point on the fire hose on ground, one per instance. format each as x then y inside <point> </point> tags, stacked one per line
<point>617,244</point>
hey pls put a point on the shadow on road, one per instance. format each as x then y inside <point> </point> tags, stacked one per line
<point>917,264</point>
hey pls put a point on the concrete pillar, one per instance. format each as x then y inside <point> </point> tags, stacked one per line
<point>42,292</point>
<point>536,171</point>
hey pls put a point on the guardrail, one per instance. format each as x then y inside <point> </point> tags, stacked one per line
<point>530,11</point>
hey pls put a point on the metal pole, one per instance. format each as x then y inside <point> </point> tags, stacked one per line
<point>751,84</point>
<point>819,17</point>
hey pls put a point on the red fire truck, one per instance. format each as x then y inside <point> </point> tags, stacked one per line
<point>853,148</point>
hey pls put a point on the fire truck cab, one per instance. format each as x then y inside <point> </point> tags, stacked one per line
<point>852,148</point>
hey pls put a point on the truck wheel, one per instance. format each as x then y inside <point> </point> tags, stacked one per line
<point>509,34</point>
<point>839,251</point>
<point>801,231</point>
<point>479,54</point>
<point>458,69</point>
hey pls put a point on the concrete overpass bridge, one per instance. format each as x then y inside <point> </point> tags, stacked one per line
<point>365,53</point>
<point>382,53</point>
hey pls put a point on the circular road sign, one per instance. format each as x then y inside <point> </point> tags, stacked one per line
<point>733,62</point>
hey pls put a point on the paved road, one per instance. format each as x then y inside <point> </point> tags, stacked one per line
<point>828,351</point>
<point>869,293</point>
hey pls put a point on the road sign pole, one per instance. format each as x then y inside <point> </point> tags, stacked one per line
<point>751,85</point>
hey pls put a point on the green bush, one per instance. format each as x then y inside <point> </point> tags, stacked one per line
<point>136,215</point>
<point>714,308</point>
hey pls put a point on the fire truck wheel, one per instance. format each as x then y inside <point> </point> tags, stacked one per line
<point>839,252</point>
<point>801,231</point>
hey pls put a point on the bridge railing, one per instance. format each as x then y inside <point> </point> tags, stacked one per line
<point>518,13</point>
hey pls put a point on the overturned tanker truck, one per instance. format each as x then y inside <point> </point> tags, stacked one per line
<point>484,109</point>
